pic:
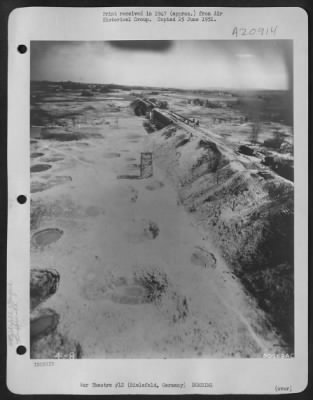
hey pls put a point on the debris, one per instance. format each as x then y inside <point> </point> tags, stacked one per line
<point>246,150</point>
<point>55,345</point>
<point>153,280</point>
<point>45,341</point>
<point>43,284</point>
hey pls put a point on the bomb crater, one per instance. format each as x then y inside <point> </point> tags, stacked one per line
<point>46,237</point>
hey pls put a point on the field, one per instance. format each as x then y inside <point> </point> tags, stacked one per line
<point>190,255</point>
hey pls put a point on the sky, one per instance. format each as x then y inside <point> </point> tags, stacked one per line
<point>200,64</point>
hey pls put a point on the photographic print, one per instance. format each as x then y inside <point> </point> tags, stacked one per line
<point>157,200</point>
<point>161,199</point>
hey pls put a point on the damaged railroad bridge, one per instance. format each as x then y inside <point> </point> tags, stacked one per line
<point>142,106</point>
<point>160,116</point>
<point>247,207</point>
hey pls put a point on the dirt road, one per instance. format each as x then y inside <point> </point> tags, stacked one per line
<point>138,277</point>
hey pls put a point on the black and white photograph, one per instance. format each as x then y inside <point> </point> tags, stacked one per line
<point>157,200</point>
<point>161,199</point>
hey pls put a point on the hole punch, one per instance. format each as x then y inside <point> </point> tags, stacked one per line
<point>20,350</point>
<point>21,199</point>
<point>22,48</point>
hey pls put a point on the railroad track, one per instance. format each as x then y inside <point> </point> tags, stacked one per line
<point>230,149</point>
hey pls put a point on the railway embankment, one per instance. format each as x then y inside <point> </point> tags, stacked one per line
<point>249,211</point>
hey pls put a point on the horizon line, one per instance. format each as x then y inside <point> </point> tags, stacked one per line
<point>156,87</point>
